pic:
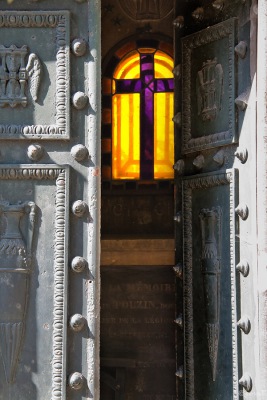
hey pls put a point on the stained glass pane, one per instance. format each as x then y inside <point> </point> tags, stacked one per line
<point>163,65</point>
<point>129,67</point>
<point>163,136</point>
<point>142,109</point>
<point>126,136</point>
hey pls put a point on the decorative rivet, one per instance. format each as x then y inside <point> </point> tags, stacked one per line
<point>79,100</point>
<point>179,321</point>
<point>178,270</point>
<point>177,71</point>
<point>218,5</point>
<point>199,162</point>
<point>78,47</point>
<point>35,152</point>
<point>219,157</point>
<point>178,217</point>
<point>179,167</point>
<point>243,268</point>
<point>78,264</point>
<point>246,382</point>
<point>241,49</point>
<point>76,380</point>
<point>180,372</point>
<point>77,322</point>
<point>242,154</point>
<point>177,119</point>
<point>79,152</point>
<point>198,14</point>
<point>244,324</point>
<point>242,100</point>
<point>179,22</point>
<point>242,211</point>
<point>79,208</point>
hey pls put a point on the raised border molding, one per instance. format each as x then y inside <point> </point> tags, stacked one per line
<point>58,20</point>
<point>214,33</point>
<point>60,174</point>
<point>189,185</point>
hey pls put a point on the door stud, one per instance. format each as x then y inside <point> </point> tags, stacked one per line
<point>246,382</point>
<point>77,322</point>
<point>79,208</point>
<point>180,372</point>
<point>243,268</point>
<point>242,211</point>
<point>244,324</point>
<point>178,270</point>
<point>76,380</point>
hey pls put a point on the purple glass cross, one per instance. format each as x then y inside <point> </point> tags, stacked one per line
<point>147,85</point>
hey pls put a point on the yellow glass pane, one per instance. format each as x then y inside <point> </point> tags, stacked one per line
<point>146,50</point>
<point>163,136</point>
<point>163,65</point>
<point>126,136</point>
<point>128,67</point>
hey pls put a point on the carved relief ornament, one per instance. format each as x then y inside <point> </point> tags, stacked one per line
<point>14,86</point>
<point>15,267</point>
<point>60,176</point>
<point>189,186</point>
<point>15,76</point>
<point>206,85</point>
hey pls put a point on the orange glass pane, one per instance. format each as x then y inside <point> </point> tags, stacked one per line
<point>126,136</point>
<point>125,49</point>
<point>128,67</point>
<point>106,116</point>
<point>163,136</point>
<point>106,86</point>
<point>163,65</point>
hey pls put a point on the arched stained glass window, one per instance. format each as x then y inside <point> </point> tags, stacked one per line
<point>141,89</point>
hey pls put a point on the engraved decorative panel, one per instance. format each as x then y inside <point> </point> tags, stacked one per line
<point>33,271</point>
<point>208,118</point>
<point>34,74</point>
<point>209,286</point>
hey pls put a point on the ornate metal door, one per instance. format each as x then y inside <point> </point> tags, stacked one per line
<point>48,199</point>
<point>215,128</point>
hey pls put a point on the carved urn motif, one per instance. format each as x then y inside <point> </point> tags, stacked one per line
<point>15,268</point>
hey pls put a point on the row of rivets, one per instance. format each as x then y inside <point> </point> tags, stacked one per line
<point>242,211</point>
<point>35,152</point>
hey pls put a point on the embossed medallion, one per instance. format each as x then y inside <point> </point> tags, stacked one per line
<point>15,267</point>
<point>15,76</point>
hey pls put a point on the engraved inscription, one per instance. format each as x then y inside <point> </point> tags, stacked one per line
<point>137,322</point>
<point>15,267</point>
<point>15,75</point>
<point>209,85</point>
